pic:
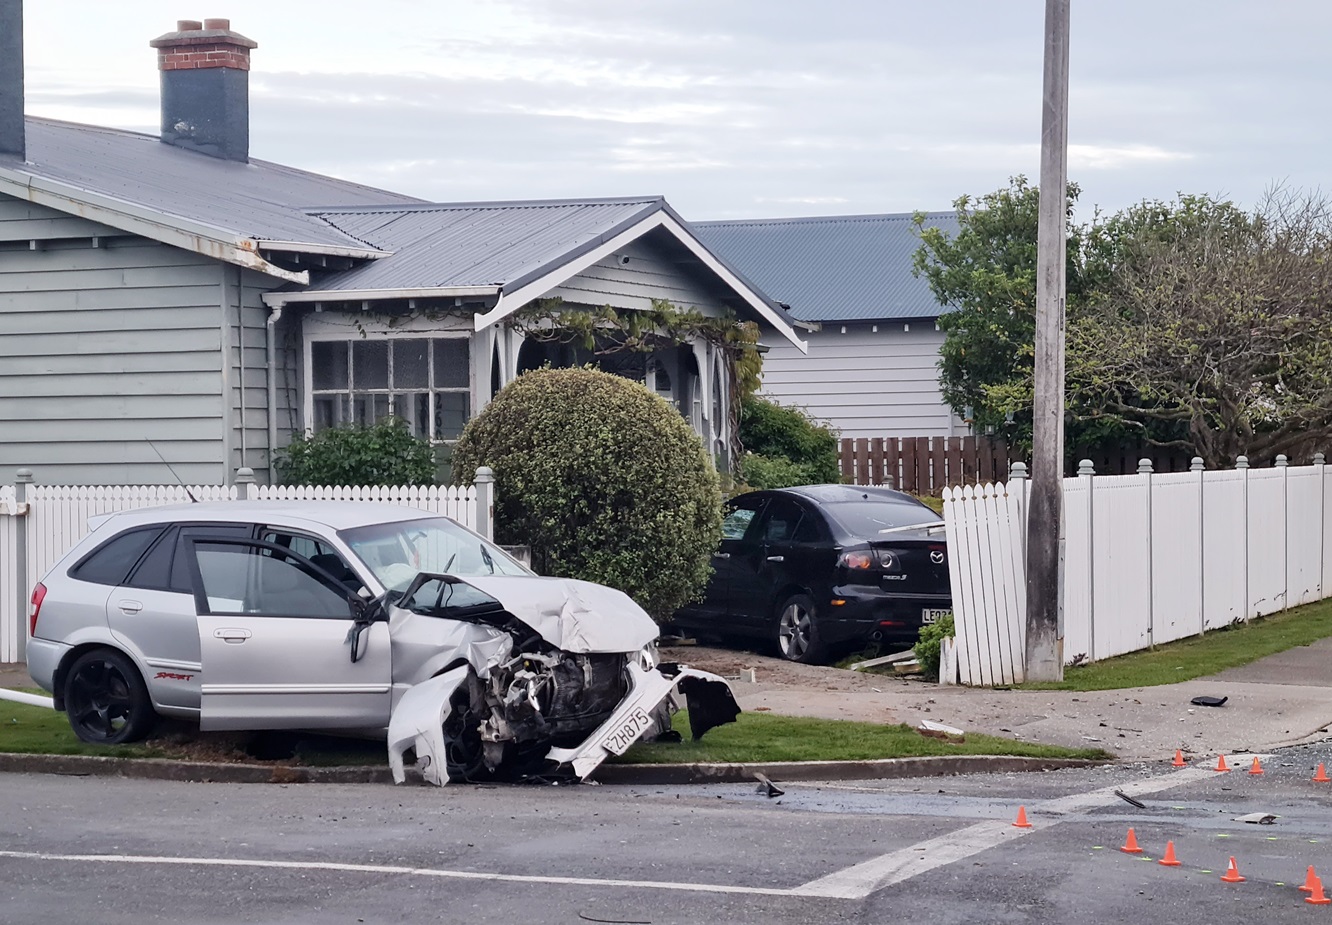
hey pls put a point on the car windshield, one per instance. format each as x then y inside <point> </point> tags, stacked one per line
<point>396,552</point>
<point>867,519</point>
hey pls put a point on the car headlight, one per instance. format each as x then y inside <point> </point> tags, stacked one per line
<point>649,658</point>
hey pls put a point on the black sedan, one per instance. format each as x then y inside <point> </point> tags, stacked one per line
<point>822,569</point>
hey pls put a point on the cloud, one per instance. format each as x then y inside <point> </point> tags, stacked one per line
<point>1104,157</point>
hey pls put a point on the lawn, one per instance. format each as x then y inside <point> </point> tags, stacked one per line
<point>1201,655</point>
<point>755,737</point>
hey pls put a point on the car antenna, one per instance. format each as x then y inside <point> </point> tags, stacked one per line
<point>189,494</point>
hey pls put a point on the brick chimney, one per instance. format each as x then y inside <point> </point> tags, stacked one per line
<point>12,132</point>
<point>206,88</point>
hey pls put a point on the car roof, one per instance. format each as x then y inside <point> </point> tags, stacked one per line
<point>335,515</point>
<point>832,494</point>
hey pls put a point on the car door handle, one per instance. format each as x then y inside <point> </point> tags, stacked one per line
<point>129,606</point>
<point>776,558</point>
<point>233,635</point>
<point>721,555</point>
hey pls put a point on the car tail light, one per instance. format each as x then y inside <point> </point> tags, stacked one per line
<point>38,595</point>
<point>889,561</point>
<point>858,559</point>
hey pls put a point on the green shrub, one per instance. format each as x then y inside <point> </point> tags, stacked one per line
<point>774,472</point>
<point>928,647</point>
<point>603,480</point>
<point>775,431</point>
<point>385,453</point>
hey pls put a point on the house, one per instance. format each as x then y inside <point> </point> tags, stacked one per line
<point>171,308</point>
<point>872,368</point>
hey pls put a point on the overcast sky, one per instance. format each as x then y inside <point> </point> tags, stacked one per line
<point>734,108</point>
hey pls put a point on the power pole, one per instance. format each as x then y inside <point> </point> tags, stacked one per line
<point>1045,643</point>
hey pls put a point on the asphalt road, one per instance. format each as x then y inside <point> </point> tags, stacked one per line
<point>938,850</point>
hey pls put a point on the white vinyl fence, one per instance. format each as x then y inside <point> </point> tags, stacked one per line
<point>40,523</point>
<point>1148,558</point>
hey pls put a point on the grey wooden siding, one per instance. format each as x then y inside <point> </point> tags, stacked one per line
<point>248,432</point>
<point>651,273</point>
<point>103,349</point>
<point>865,383</point>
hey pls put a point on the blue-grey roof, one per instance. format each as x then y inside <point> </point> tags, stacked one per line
<point>475,244</point>
<point>260,200</point>
<point>832,268</point>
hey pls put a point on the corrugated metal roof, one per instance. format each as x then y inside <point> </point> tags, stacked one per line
<point>832,268</point>
<point>475,244</point>
<point>260,200</point>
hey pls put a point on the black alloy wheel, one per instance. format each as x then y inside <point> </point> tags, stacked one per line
<point>798,638</point>
<point>106,699</point>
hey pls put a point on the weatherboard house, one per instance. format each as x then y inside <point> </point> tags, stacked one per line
<point>871,369</point>
<point>169,295</point>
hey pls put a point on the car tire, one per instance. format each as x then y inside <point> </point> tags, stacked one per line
<point>464,758</point>
<point>106,700</point>
<point>797,633</point>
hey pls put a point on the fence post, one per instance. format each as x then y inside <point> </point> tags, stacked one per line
<point>1242,464</point>
<point>1145,468</point>
<point>22,479</point>
<point>244,483</point>
<point>1017,473</point>
<point>1087,471</point>
<point>1197,465</point>
<point>1320,460</point>
<point>1283,463</point>
<point>485,502</point>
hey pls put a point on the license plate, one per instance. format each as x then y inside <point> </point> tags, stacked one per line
<point>934,616</point>
<point>634,725</point>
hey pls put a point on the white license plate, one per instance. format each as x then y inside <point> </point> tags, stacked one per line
<point>934,616</point>
<point>634,725</point>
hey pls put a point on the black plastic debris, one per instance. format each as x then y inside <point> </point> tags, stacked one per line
<point>1205,701</point>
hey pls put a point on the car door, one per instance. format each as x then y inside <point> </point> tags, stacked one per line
<point>761,561</point>
<point>740,515</point>
<point>276,637</point>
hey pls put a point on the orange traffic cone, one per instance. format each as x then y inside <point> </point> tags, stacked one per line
<point>1309,879</point>
<point>1179,761</point>
<point>1131,844</point>
<point>1256,768</point>
<point>1321,777</point>
<point>1022,822</point>
<point>1316,896</point>
<point>1221,763</point>
<point>1232,874</point>
<point>1169,860</point>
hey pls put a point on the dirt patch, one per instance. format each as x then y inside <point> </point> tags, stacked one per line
<point>771,672</point>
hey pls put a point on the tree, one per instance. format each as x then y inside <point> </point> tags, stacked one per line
<point>785,446</point>
<point>986,273</point>
<point>1212,325</point>
<point>604,480</point>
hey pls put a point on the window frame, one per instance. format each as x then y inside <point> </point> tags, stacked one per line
<point>351,392</point>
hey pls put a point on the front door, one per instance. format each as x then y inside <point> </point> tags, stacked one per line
<point>276,636</point>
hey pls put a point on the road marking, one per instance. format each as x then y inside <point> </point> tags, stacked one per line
<point>897,866</point>
<point>416,872</point>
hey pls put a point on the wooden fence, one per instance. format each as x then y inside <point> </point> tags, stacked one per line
<point>928,465</point>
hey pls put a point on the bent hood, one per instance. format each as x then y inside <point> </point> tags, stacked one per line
<point>577,616</point>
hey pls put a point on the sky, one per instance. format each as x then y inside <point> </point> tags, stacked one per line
<point>734,108</point>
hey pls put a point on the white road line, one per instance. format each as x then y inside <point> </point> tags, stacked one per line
<point>412,871</point>
<point>869,876</point>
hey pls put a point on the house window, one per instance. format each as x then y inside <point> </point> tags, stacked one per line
<point>426,381</point>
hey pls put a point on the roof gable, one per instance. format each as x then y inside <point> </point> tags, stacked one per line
<point>833,268</point>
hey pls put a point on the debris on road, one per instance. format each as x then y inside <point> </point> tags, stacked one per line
<point>1130,800</point>
<point>1209,701</point>
<point>767,787</point>
<point>1258,819</point>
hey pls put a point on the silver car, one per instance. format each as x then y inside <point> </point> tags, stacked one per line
<point>357,618</point>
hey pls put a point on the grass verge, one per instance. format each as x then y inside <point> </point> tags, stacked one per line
<point>754,737</point>
<point>1198,656</point>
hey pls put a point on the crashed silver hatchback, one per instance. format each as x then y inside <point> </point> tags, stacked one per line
<point>356,618</point>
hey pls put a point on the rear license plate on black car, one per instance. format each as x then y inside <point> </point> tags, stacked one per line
<point>933,616</point>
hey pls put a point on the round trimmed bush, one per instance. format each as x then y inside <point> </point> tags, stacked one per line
<point>603,480</point>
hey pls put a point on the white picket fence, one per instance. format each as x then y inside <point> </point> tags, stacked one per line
<point>1148,558</point>
<point>57,518</point>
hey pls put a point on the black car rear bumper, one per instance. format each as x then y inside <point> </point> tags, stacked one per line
<point>870,615</point>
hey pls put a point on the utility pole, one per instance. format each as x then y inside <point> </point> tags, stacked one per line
<point>1045,536</point>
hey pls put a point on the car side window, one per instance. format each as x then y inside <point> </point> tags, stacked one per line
<point>317,551</point>
<point>739,519</point>
<point>781,521</point>
<point>809,530</point>
<point>109,563</point>
<point>154,569</point>
<point>180,568</point>
<point>243,578</point>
